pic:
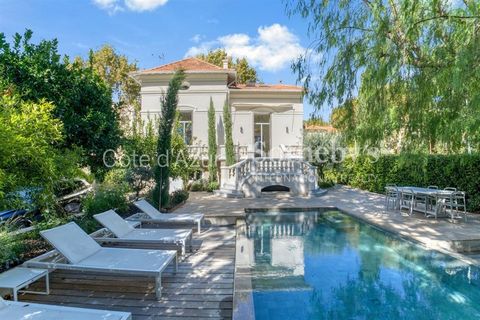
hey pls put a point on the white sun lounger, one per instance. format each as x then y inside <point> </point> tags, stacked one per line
<point>155,216</point>
<point>84,254</point>
<point>125,233</point>
<point>10,310</point>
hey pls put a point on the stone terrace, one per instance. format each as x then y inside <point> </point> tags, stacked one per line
<point>439,234</point>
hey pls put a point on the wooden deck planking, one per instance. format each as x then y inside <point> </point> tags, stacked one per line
<point>201,289</point>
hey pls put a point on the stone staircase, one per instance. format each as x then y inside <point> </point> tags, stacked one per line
<point>249,177</point>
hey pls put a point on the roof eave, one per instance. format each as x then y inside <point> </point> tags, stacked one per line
<point>229,71</point>
<point>266,90</point>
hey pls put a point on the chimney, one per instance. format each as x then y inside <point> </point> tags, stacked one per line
<point>225,63</point>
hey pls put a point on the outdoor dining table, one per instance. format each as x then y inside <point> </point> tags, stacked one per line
<point>424,195</point>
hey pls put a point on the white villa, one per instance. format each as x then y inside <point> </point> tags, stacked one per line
<point>267,120</point>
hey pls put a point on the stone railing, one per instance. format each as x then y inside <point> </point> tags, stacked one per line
<point>198,151</point>
<point>201,152</point>
<point>241,152</point>
<point>291,151</point>
<point>296,173</point>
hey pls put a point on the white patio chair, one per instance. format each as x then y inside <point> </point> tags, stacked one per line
<point>156,217</point>
<point>126,234</point>
<point>82,253</point>
<point>457,204</point>
<point>432,187</point>
<point>450,189</point>
<point>10,310</point>
<point>391,196</point>
<point>422,199</point>
<point>407,201</point>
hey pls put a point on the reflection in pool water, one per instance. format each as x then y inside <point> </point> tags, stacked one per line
<point>314,265</point>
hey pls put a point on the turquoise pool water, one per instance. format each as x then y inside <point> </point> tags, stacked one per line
<point>328,265</point>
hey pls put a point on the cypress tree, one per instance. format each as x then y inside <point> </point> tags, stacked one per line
<point>227,122</point>
<point>212,144</point>
<point>162,171</point>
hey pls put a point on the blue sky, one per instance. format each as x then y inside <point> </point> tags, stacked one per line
<point>154,32</point>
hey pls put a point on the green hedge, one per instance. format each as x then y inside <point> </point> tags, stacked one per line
<point>369,173</point>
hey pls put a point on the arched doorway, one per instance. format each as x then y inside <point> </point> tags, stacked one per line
<point>276,188</point>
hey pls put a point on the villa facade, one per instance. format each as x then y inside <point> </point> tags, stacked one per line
<point>267,120</point>
<point>267,125</point>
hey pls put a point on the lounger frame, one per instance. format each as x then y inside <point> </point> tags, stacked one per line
<point>105,236</point>
<point>86,311</point>
<point>144,218</point>
<point>54,260</point>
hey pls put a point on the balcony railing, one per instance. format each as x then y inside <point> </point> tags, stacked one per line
<point>201,152</point>
<point>246,152</point>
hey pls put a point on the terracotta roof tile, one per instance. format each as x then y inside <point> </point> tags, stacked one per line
<point>189,64</point>
<point>267,87</point>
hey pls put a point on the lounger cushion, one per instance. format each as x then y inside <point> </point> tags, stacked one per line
<point>157,215</point>
<point>167,235</point>
<point>147,208</point>
<point>71,241</point>
<point>119,259</point>
<point>112,221</point>
<point>181,218</point>
<point>33,311</point>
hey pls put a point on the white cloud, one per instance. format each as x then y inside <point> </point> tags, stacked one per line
<point>235,40</point>
<point>105,4</point>
<point>197,38</point>
<point>272,49</point>
<point>113,6</point>
<point>144,5</point>
<point>203,47</point>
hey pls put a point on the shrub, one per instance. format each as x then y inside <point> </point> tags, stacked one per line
<point>459,171</point>
<point>115,176</point>
<point>178,197</point>
<point>12,247</point>
<point>198,185</point>
<point>212,186</point>
<point>18,247</point>
<point>106,197</point>
<point>138,178</point>
<point>326,184</point>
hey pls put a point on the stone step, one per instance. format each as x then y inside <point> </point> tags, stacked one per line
<point>229,193</point>
<point>318,192</point>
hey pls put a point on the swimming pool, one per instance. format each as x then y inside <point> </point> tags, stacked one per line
<point>325,264</point>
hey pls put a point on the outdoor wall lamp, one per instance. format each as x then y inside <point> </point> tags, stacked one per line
<point>241,129</point>
<point>286,129</point>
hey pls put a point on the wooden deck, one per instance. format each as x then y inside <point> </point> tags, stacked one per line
<point>202,287</point>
